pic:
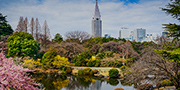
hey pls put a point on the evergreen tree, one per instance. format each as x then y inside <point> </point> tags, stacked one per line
<point>173,9</point>
<point>5,29</point>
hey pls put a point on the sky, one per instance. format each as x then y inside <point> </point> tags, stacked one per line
<point>72,15</point>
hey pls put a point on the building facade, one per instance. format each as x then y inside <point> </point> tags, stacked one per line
<point>125,33</point>
<point>96,22</point>
<point>139,34</point>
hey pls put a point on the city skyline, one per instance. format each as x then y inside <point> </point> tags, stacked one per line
<point>63,16</point>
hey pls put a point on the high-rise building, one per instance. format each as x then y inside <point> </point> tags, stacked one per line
<point>96,22</point>
<point>125,33</point>
<point>139,34</point>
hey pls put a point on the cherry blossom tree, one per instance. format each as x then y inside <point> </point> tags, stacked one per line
<point>14,77</point>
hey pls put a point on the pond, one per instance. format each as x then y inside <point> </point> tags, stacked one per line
<point>71,82</point>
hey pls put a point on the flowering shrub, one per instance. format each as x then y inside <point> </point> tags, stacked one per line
<point>14,76</point>
<point>32,64</point>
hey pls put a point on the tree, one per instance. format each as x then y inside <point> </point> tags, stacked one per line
<point>32,27</point>
<point>61,61</point>
<point>14,77</point>
<point>26,25</point>
<point>22,44</point>
<point>46,33</point>
<point>5,29</point>
<point>58,38</point>
<point>20,26</point>
<point>38,30</point>
<point>48,57</point>
<point>173,9</point>
<point>81,35</point>
<point>164,65</point>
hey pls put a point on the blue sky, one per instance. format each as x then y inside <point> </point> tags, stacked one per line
<point>71,15</point>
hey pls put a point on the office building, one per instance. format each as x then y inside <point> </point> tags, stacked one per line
<point>96,22</point>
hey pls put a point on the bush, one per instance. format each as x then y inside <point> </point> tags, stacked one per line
<point>113,73</point>
<point>48,57</point>
<point>166,82</point>
<point>80,72</point>
<point>113,82</point>
<point>22,44</point>
<point>91,73</point>
<point>98,63</point>
<point>81,59</point>
<point>86,71</point>
<point>69,70</point>
<point>145,87</point>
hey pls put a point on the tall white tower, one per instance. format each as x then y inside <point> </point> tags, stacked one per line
<point>96,22</point>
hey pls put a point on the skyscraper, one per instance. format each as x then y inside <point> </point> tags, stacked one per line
<point>96,22</point>
<point>139,34</point>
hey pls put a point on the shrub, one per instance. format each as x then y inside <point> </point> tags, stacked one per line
<point>32,64</point>
<point>86,71</point>
<point>113,73</point>
<point>91,73</point>
<point>48,57</point>
<point>69,70</point>
<point>145,87</point>
<point>166,82</point>
<point>98,63</point>
<point>22,44</point>
<point>80,60</point>
<point>91,64</point>
<point>80,72</point>
<point>113,81</point>
<point>63,72</point>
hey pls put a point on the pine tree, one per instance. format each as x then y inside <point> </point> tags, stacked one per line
<point>173,9</point>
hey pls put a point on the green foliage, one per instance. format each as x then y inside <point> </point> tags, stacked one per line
<point>5,29</point>
<point>58,38</point>
<point>85,71</point>
<point>80,60</point>
<point>113,73</point>
<point>173,9</point>
<point>68,70</point>
<point>173,30</point>
<point>166,82</point>
<point>100,55</point>
<point>91,64</point>
<point>22,44</point>
<point>145,87</point>
<point>80,72</point>
<point>48,58</point>
<point>113,81</point>
<point>88,43</point>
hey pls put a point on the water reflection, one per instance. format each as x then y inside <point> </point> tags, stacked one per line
<point>63,82</point>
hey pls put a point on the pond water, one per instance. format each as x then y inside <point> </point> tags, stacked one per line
<point>70,82</point>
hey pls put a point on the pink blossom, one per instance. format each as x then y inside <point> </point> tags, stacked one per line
<point>13,76</point>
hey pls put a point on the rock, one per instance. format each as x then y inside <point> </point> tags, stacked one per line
<point>118,89</point>
<point>98,75</point>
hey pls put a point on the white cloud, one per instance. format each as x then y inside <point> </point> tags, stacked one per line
<point>65,15</point>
